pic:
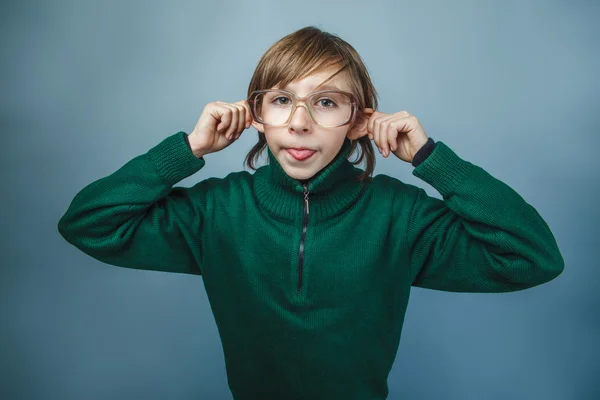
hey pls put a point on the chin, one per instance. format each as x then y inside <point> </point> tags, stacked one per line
<point>299,175</point>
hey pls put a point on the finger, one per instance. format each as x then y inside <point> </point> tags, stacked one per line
<point>371,126</point>
<point>233,121</point>
<point>392,133</point>
<point>215,111</point>
<point>376,133</point>
<point>384,128</point>
<point>374,119</point>
<point>241,120</point>
<point>224,116</point>
<point>247,113</point>
<point>367,115</point>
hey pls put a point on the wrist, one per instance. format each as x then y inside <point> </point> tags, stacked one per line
<point>423,152</point>
<point>196,150</point>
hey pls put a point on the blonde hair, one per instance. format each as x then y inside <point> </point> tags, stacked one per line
<point>298,55</point>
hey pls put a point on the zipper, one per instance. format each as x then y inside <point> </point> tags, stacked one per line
<point>303,237</point>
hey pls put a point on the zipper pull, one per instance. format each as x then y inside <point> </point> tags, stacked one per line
<point>306,197</point>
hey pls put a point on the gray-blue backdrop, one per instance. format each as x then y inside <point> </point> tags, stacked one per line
<point>511,86</point>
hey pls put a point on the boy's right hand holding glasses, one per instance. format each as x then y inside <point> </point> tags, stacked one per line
<point>220,124</point>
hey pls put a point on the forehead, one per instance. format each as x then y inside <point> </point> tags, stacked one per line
<point>320,81</point>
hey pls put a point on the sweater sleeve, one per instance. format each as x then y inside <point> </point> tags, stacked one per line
<point>135,218</point>
<point>423,152</point>
<point>482,237</point>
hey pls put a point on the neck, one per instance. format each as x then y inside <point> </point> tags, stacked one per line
<point>331,189</point>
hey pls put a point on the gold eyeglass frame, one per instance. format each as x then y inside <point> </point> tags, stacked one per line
<point>295,105</point>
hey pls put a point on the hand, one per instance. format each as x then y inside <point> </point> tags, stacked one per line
<point>220,124</point>
<point>401,133</point>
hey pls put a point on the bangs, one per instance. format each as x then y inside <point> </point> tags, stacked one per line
<point>285,72</point>
<point>298,56</point>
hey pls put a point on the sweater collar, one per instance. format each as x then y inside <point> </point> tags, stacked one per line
<point>331,190</point>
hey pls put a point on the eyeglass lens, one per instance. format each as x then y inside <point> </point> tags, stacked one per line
<point>328,109</point>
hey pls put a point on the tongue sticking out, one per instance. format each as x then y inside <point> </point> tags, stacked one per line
<point>301,154</point>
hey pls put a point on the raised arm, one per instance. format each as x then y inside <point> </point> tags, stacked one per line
<point>135,218</point>
<point>483,236</point>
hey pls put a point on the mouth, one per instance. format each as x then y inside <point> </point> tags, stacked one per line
<point>300,153</point>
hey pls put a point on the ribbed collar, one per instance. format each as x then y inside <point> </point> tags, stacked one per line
<point>331,190</point>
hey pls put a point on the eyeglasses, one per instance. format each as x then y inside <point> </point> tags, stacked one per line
<point>327,108</point>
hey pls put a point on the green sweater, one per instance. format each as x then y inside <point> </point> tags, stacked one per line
<point>309,284</point>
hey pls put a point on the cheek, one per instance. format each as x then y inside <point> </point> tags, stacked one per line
<point>271,138</point>
<point>333,143</point>
<point>338,138</point>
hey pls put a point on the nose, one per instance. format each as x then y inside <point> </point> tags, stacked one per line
<point>300,120</point>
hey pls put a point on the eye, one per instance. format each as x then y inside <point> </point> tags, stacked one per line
<point>276,99</point>
<point>326,103</point>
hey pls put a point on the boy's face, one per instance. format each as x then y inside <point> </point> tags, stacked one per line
<point>302,132</point>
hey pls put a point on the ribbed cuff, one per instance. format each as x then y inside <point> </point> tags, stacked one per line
<point>443,169</point>
<point>423,152</point>
<point>174,160</point>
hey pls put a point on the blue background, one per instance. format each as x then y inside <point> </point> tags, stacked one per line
<point>510,86</point>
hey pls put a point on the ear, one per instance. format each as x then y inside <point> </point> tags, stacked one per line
<point>359,129</point>
<point>258,127</point>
